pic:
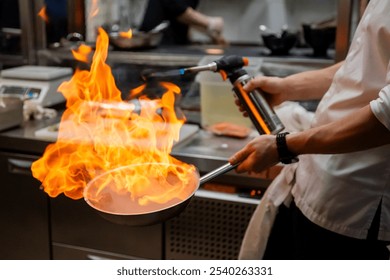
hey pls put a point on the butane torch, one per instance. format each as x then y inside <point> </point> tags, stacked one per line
<point>230,67</point>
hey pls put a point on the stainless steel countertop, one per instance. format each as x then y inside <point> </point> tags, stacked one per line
<point>208,152</point>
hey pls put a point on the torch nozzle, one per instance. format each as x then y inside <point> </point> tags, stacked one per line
<point>224,64</point>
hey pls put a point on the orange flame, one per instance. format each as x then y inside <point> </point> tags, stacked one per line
<point>100,132</point>
<point>128,34</point>
<point>82,53</point>
<point>43,14</point>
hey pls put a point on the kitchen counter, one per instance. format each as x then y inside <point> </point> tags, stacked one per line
<point>187,55</point>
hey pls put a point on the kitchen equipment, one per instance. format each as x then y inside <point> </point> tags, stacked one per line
<point>11,112</point>
<point>10,40</point>
<point>260,113</point>
<point>213,90</point>
<point>119,208</point>
<point>319,38</point>
<point>36,83</point>
<point>139,39</point>
<point>278,43</point>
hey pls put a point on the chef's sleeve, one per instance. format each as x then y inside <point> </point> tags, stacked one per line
<point>381,107</point>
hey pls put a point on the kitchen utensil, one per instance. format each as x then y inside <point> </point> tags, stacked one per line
<point>120,208</point>
<point>35,82</point>
<point>10,40</point>
<point>222,65</point>
<point>265,30</point>
<point>260,112</point>
<point>319,38</point>
<point>139,39</point>
<point>279,43</point>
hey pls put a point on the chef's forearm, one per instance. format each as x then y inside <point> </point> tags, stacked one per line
<point>194,18</point>
<point>310,84</point>
<point>359,131</point>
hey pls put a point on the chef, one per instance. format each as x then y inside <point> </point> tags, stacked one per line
<point>332,199</point>
<point>182,15</point>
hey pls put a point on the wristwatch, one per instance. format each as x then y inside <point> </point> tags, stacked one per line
<point>285,156</point>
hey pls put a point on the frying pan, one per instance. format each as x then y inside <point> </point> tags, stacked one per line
<point>119,208</point>
<point>140,39</point>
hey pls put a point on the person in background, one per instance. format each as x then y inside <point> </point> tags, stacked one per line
<point>57,25</point>
<point>9,19</point>
<point>334,203</point>
<point>182,15</point>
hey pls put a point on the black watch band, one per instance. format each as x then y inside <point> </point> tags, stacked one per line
<point>285,156</point>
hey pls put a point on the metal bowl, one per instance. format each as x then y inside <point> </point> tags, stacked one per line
<point>138,41</point>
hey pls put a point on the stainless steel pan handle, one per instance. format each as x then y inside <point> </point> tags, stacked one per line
<point>219,171</point>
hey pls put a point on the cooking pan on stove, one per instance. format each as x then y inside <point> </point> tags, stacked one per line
<point>102,194</point>
<point>139,39</point>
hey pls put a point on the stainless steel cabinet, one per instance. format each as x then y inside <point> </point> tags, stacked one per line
<point>35,226</point>
<point>24,211</point>
<point>212,227</point>
<point>79,232</point>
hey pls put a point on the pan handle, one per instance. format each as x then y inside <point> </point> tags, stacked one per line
<point>219,171</point>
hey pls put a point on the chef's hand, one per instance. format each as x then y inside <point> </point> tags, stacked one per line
<point>258,155</point>
<point>273,87</point>
<point>306,85</point>
<point>214,30</point>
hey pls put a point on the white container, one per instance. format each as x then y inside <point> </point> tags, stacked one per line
<point>217,96</point>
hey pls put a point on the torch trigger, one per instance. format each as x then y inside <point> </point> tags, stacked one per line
<point>223,74</point>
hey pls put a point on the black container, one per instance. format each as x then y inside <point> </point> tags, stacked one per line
<point>280,44</point>
<point>319,39</point>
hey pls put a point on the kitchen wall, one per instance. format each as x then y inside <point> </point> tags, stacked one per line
<point>242,17</point>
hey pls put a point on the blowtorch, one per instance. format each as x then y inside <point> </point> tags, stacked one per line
<point>230,67</point>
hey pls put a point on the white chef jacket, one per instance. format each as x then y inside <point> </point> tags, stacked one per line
<point>342,192</point>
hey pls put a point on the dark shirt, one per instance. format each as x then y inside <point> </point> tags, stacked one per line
<point>9,14</point>
<point>160,10</point>
<point>57,26</point>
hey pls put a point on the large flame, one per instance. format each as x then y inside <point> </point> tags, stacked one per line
<point>100,132</point>
<point>82,53</point>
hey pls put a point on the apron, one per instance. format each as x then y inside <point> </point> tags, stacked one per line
<point>295,118</point>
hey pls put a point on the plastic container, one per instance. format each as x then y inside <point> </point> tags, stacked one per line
<point>217,96</point>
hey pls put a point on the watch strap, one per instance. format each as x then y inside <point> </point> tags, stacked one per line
<point>285,156</point>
